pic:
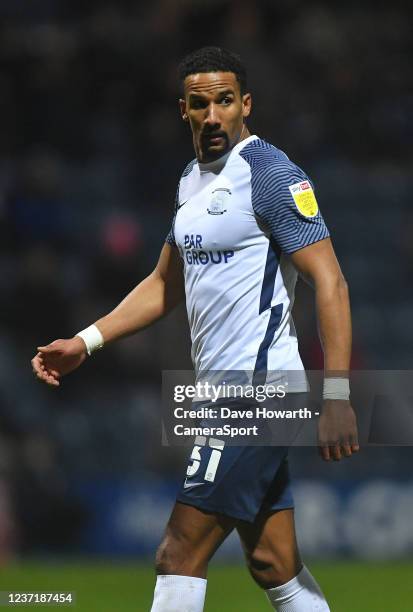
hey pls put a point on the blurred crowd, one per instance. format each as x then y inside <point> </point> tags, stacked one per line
<point>91,149</point>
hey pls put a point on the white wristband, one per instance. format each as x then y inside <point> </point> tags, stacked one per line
<point>336,388</point>
<point>92,338</point>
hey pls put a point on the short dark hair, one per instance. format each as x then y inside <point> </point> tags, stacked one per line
<point>214,59</point>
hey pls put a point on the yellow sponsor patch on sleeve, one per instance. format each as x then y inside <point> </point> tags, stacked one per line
<point>304,198</point>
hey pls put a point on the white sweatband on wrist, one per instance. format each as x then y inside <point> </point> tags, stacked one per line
<point>336,388</point>
<point>93,339</point>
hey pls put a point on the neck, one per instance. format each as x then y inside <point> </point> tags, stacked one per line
<point>245,133</point>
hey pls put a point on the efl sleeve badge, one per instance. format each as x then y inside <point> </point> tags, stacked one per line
<point>304,199</point>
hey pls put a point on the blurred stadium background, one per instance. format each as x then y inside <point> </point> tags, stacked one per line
<point>91,148</point>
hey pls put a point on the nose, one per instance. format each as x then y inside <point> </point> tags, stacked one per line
<point>212,116</point>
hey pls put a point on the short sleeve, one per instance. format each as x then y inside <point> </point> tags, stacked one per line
<point>284,199</point>
<point>170,238</point>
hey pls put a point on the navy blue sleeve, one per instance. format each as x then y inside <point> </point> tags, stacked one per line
<point>170,238</point>
<point>282,196</point>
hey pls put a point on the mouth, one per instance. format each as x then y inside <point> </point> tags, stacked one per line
<point>214,139</point>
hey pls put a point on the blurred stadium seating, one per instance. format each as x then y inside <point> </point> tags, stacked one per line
<point>91,149</point>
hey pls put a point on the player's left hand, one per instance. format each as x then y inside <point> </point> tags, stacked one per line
<point>337,430</point>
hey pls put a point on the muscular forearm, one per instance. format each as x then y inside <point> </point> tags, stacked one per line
<point>334,323</point>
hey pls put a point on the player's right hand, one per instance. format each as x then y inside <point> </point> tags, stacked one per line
<point>337,430</point>
<point>57,359</point>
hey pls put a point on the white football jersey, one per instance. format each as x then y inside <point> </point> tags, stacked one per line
<point>236,222</point>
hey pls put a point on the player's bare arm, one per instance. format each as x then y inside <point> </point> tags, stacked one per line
<point>149,301</point>
<point>318,265</point>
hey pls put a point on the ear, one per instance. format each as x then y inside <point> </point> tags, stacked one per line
<point>182,106</point>
<point>246,104</point>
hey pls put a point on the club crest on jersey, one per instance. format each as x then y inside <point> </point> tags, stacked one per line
<point>220,198</point>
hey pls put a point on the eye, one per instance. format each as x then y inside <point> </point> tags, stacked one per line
<point>197,104</point>
<point>226,100</point>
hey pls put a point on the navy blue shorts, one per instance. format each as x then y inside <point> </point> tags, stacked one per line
<point>237,481</point>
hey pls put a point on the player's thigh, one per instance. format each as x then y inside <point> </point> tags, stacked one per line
<point>270,546</point>
<point>191,537</point>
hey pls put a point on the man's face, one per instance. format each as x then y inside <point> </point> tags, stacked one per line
<point>215,109</point>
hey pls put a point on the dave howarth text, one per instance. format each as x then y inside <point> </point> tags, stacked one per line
<point>237,413</point>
